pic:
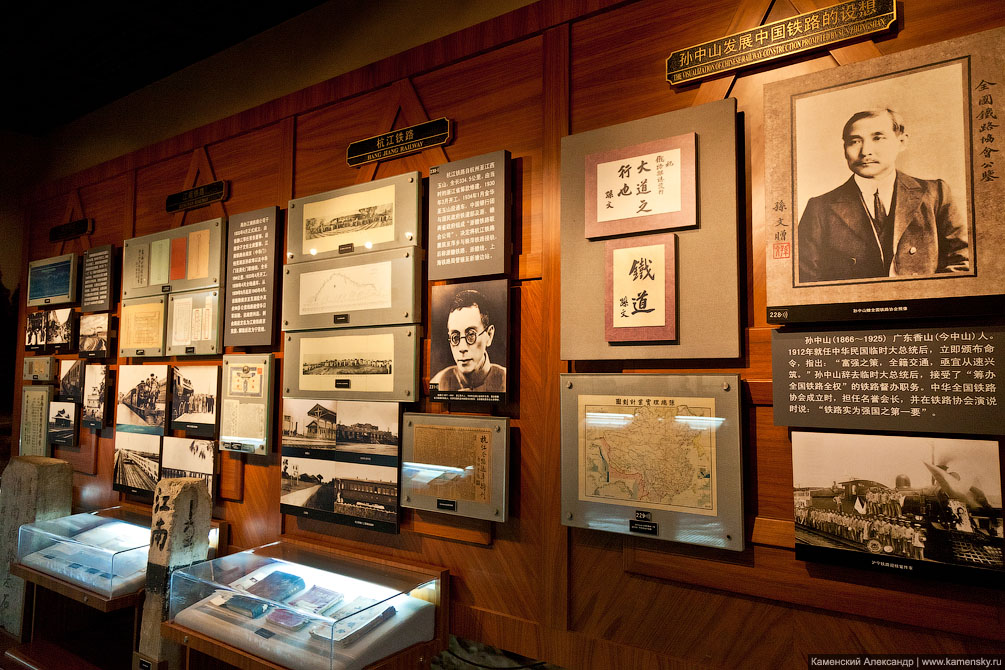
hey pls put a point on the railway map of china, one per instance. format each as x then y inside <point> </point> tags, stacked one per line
<point>648,452</point>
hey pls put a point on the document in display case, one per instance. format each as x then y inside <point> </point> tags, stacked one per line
<point>304,610</point>
<point>99,553</point>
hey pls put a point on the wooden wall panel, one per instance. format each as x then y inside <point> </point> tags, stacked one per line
<point>576,597</point>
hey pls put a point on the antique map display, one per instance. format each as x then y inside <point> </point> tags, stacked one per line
<point>655,455</point>
<point>456,464</point>
<point>881,192</point>
<point>918,505</point>
<point>378,215</point>
<point>644,451</point>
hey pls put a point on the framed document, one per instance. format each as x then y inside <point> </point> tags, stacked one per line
<point>35,328</point>
<point>455,464</point>
<point>193,326</point>
<point>918,505</point>
<point>39,369</point>
<point>52,281</point>
<point>382,214</point>
<point>98,276</point>
<point>246,411</point>
<point>642,188</point>
<point>137,463</point>
<point>194,399</point>
<point>63,424</point>
<point>356,364</point>
<point>181,259</point>
<point>188,457</point>
<point>468,352</point>
<point>143,327</point>
<point>96,386</point>
<point>655,455</point>
<point>881,191</point>
<point>641,300</point>
<point>470,206</point>
<point>95,335</point>
<point>142,399</point>
<point>376,289</point>
<point>71,380</point>
<point>708,250</point>
<point>61,329</point>
<point>34,420</point>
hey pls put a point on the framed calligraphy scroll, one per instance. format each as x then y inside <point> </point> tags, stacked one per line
<point>641,188</point>
<point>883,190</point>
<point>641,300</point>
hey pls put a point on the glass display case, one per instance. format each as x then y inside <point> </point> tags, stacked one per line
<point>306,610</point>
<point>104,552</point>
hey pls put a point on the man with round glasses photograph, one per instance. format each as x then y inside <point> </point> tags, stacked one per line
<point>469,333</point>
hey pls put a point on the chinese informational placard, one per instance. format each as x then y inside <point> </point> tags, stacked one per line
<point>641,188</point>
<point>469,217</point>
<point>251,270</point>
<point>942,380</point>
<point>97,291</point>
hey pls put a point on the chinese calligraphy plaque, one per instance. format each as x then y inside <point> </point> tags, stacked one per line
<point>641,188</point>
<point>641,299</point>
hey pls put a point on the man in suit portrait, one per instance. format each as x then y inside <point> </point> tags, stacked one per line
<point>470,333</point>
<point>881,222</point>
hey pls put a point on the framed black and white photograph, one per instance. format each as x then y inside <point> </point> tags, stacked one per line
<point>142,399</point>
<point>95,331</point>
<point>878,202</point>
<point>378,215</point>
<point>60,329</point>
<point>63,424</point>
<point>71,380</point>
<point>376,289</point>
<point>918,505</point>
<point>94,412</point>
<point>136,466</point>
<point>655,455</point>
<point>35,329</point>
<point>188,457</point>
<point>455,464</point>
<point>352,494</point>
<point>52,281</point>
<point>367,432</point>
<point>353,364</point>
<point>469,341</point>
<point>310,425</point>
<point>194,399</point>
<point>35,401</point>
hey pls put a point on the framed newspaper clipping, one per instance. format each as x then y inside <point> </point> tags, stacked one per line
<point>654,455</point>
<point>353,364</point>
<point>52,281</point>
<point>181,259</point>
<point>376,289</point>
<point>883,196</point>
<point>455,464</point>
<point>377,215</point>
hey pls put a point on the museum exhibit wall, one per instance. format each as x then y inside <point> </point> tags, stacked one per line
<point>579,598</point>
